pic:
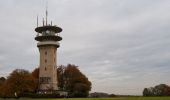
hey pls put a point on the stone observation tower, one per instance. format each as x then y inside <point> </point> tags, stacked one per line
<point>48,41</point>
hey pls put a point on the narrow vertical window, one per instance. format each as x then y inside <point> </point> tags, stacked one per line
<point>45,60</point>
<point>45,52</point>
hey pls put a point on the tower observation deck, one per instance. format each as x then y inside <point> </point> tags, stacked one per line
<point>48,33</point>
<point>48,38</point>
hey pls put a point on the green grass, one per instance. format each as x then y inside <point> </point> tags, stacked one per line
<point>116,98</point>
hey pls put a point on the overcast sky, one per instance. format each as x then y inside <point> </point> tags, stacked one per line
<point>122,46</point>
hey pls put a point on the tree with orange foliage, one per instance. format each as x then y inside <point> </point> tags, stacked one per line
<point>35,73</point>
<point>18,82</point>
<point>73,81</point>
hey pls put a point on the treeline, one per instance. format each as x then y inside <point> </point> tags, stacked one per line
<point>21,81</point>
<point>101,95</point>
<point>158,90</point>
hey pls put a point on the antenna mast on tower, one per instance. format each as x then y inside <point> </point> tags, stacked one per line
<point>37,20</point>
<point>46,13</point>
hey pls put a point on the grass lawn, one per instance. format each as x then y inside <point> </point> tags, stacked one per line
<point>116,98</point>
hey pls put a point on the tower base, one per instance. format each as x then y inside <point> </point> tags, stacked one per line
<point>55,92</point>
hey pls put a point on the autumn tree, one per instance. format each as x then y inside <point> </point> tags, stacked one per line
<point>60,77</point>
<point>2,81</point>
<point>19,81</point>
<point>71,79</point>
<point>35,74</point>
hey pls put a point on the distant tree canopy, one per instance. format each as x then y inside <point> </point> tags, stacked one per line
<point>99,95</point>
<point>158,90</point>
<point>70,79</point>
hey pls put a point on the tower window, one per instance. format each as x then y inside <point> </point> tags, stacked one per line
<point>45,68</point>
<point>45,52</point>
<point>45,60</point>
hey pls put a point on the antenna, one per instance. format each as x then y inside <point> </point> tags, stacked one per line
<point>46,12</point>
<point>43,21</point>
<point>37,20</point>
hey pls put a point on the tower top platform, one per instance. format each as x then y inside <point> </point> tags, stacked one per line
<point>47,32</point>
<point>54,29</point>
